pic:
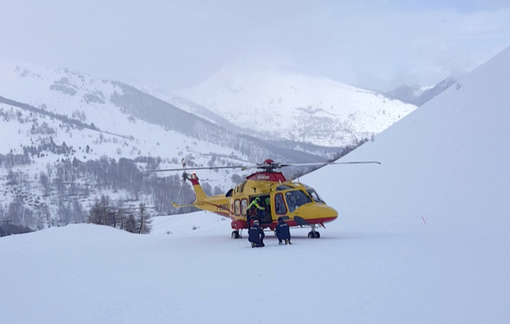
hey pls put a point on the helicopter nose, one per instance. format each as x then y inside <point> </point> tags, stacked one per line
<point>331,212</point>
<point>323,213</point>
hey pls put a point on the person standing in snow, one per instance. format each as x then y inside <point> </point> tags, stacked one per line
<point>256,235</point>
<point>282,232</point>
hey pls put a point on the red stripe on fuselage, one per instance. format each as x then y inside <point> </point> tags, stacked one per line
<point>290,222</point>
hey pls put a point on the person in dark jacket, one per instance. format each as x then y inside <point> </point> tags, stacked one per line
<point>283,231</point>
<point>256,235</point>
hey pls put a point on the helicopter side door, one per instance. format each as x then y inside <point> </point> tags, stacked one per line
<point>264,215</point>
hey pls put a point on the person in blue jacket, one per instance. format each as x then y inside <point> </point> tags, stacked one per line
<point>256,235</point>
<point>283,231</point>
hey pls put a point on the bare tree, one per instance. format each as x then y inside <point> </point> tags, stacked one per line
<point>144,222</point>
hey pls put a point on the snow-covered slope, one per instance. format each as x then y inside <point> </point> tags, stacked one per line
<point>382,271</point>
<point>297,107</point>
<point>448,163</point>
<point>89,100</point>
<point>449,157</point>
<point>422,238</point>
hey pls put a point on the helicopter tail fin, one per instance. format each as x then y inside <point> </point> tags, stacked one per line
<point>199,192</point>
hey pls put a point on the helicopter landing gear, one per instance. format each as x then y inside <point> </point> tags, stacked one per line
<point>313,233</point>
<point>235,235</point>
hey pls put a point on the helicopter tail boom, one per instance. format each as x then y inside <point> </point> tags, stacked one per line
<point>216,204</point>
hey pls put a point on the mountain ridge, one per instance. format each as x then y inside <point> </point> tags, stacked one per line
<point>297,107</point>
<point>419,95</point>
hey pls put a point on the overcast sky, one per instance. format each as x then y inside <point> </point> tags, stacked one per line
<point>177,43</point>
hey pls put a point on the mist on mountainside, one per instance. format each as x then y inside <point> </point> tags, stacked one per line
<point>419,95</point>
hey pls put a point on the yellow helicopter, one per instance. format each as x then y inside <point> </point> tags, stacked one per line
<point>296,203</point>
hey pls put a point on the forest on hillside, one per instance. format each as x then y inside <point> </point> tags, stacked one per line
<point>65,191</point>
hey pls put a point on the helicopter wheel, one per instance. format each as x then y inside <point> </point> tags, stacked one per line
<point>314,235</point>
<point>235,235</point>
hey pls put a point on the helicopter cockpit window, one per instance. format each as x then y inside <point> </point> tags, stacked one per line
<point>283,187</point>
<point>315,195</point>
<point>296,198</point>
<point>280,204</point>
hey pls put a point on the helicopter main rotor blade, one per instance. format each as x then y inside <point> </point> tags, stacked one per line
<point>198,168</point>
<point>326,163</point>
<point>259,166</point>
<point>247,167</point>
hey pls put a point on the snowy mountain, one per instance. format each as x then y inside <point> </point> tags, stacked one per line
<point>69,138</point>
<point>201,111</point>
<point>420,239</point>
<point>189,106</point>
<point>418,95</point>
<point>297,107</point>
